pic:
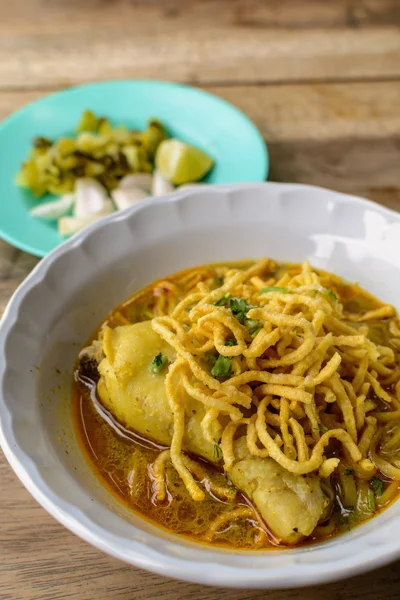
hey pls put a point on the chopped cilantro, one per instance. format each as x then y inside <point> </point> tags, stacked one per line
<point>240,308</point>
<point>252,325</point>
<point>255,332</point>
<point>274,288</point>
<point>222,366</point>
<point>231,343</point>
<point>332,295</point>
<point>328,293</point>
<point>217,451</point>
<point>377,486</point>
<point>158,363</point>
<point>321,428</point>
<point>349,472</point>
<point>222,301</point>
<point>371,501</point>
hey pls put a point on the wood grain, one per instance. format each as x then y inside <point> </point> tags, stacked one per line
<point>295,112</point>
<point>174,14</point>
<point>322,82</point>
<point>47,43</point>
<point>14,267</point>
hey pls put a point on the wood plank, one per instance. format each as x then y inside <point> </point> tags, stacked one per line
<point>294,112</point>
<point>342,136</point>
<point>204,42</point>
<point>175,14</point>
<point>318,111</point>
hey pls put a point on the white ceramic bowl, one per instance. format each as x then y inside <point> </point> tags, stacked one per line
<point>58,306</point>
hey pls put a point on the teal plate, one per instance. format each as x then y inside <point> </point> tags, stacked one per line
<point>189,114</point>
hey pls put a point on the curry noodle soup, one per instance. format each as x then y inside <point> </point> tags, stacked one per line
<point>247,405</point>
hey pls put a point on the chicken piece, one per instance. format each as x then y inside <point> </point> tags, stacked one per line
<point>291,505</point>
<point>136,396</point>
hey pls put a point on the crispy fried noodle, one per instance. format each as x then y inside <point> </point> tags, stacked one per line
<point>291,348</point>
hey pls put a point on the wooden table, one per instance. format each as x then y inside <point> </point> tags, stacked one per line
<point>320,78</point>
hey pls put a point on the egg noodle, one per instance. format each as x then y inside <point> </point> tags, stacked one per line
<point>277,361</point>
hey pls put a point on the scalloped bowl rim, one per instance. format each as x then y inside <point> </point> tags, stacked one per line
<point>205,571</point>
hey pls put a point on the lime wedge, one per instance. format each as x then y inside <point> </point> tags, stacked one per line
<point>181,163</point>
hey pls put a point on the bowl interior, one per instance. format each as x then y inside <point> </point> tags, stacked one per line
<point>62,302</point>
